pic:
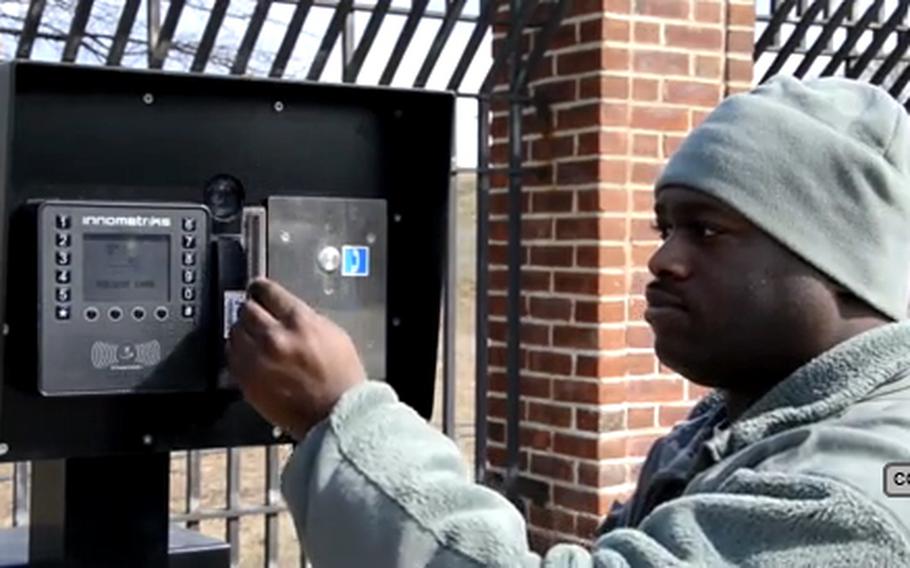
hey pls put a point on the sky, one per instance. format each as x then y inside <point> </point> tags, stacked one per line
<point>195,15</point>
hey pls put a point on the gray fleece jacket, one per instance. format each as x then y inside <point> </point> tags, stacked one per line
<point>795,481</point>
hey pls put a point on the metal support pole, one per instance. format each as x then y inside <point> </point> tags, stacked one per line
<point>153,23</point>
<point>450,307</point>
<point>513,309</point>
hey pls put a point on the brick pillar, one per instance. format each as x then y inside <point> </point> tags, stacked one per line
<point>622,84</point>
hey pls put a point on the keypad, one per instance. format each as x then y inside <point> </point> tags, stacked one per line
<point>189,224</point>
<point>63,276</point>
<point>189,259</point>
<point>189,294</point>
<point>189,276</point>
<point>188,311</point>
<point>63,294</point>
<point>64,221</point>
<point>189,242</point>
<point>63,312</point>
<point>62,239</point>
<point>63,258</point>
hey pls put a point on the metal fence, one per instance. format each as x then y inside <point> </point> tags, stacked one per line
<point>860,39</point>
<point>437,44</point>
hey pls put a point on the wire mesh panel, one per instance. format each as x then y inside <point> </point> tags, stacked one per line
<point>860,39</point>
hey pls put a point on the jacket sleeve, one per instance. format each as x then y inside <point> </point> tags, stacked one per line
<point>374,485</point>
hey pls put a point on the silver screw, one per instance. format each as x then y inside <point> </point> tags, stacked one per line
<point>276,432</point>
<point>4,449</point>
<point>279,106</point>
<point>147,440</point>
<point>371,238</point>
<point>397,217</point>
<point>148,98</point>
<point>285,237</point>
<point>330,259</point>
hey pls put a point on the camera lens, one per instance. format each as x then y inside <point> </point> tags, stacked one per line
<point>224,195</point>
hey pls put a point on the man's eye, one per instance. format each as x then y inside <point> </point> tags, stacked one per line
<point>704,231</point>
<point>661,229</point>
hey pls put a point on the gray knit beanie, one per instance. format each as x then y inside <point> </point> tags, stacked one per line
<point>821,165</point>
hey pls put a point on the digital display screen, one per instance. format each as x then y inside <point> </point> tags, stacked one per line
<point>126,268</point>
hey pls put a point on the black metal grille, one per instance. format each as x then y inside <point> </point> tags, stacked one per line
<point>860,39</point>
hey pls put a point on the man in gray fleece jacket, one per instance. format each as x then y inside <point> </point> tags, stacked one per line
<point>782,283</point>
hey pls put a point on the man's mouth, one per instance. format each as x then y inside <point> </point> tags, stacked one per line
<point>659,298</point>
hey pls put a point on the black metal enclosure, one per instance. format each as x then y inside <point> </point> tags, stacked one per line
<point>75,132</point>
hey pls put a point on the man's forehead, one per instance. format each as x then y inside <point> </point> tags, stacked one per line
<point>684,199</point>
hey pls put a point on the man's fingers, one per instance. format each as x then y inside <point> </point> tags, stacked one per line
<point>278,301</point>
<point>256,321</point>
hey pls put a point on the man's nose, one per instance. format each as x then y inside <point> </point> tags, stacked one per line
<point>670,259</point>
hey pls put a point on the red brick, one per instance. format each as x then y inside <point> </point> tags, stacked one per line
<point>530,229</point>
<point>694,37</point>
<point>555,255</point>
<point>645,89</point>
<point>641,417</point>
<point>601,143</point>
<point>591,228</point>
<point>600,421</point>
<point>709,12</point>
<point>655,390</point>
<point>739,70</point>
<point>645,173</point>
<point>553,467</point>
<point>549,414</point>
<point>599,312</point>
<point>549,148</point>
<point>591,114</point>
<point>551,308</point>
<point>586,501</point>
<point>556,91</point>
<point>691,93</point>
<point>639,337</point>
<point>603,257</point>
<point>663,8</point>
<point>601,475</point>
<point>587,338</point>
<point>660,62</point>
<point>671,143</point>
<point>646,145</point>
<point>708,66</point>
<point>640,445</point>
<point>656,118</point>
<point>549,362</point>
<point>602,200</point>
<point>740,41</point>
<point>591,170</point>
<point>565,36</point>
<point>640,279</point>
<point>606,87</point>
<point>582,7</point>
<point>551,201</point>
<point>588,283</point>
<point>496,431</point>
<point>646,32</point>
<point>641,364</point>
<point>643,230</point>
<point>595,59</point>
<point>535,387</point>
<point>536,439</point>
<point>603,367</point>
<point>643,201</point>
<point>741,15</point>
<point>587,526</point>
<point>670,415</point>
<point>637,307</point>
<point>535,334</point>
<point>499,203</point>
<point>531,280</point>
<point>577,446</point>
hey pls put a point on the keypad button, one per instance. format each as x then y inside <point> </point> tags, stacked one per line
<point>189,276</point>
<point>63,258</point>
<point>63,221</point>
<point>63,294</point>
<point>189,224</point>
<point>115,314</point>
<point>161,313</point>
<point>188,310</point>
<point>63,313</point>
<point>63,276</point>
<point>189,241</point>
<point>62,239</point>
<point>91,314</point>
<point>138,314</point>
<point>189,259</point>
<point>189,294</point>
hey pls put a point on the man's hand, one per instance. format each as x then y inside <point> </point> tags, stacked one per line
<point>292,364</point>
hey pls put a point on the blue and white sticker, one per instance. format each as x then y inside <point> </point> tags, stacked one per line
<point>355,261</point>
<point>233,301</point>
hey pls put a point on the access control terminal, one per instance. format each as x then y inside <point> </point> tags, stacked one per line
<point>121,286</point>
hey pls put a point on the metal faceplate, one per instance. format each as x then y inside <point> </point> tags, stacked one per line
<point>332,253</point>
